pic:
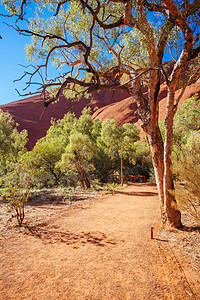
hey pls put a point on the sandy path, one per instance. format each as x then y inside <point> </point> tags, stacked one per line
<point>100,249</point>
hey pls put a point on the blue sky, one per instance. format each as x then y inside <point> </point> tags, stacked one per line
<point>12,54</point>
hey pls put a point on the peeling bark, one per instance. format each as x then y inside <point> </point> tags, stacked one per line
<point>157,152</point>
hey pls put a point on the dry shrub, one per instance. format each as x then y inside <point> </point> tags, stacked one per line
<point>17,187</point>
<point>187,170</point>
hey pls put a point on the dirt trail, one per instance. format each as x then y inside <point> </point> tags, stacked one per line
<point>98,249</point>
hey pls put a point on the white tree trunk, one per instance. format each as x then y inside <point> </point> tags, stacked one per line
<point>157,154</point>
<point>161,157</point>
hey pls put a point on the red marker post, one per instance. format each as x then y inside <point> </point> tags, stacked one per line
<point>152,233</point>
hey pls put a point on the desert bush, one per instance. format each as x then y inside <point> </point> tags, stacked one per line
<point>187,170</point>
<point>16,192</point>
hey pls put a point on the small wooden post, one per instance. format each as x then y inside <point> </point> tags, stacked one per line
<point>152,233</point>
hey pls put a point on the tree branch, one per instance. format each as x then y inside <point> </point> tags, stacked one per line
<point>100,23</point>
<point>166,30</point>
<point>180,21</point>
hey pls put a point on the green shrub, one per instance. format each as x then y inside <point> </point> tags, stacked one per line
<point>16,191</point>
<point>187,171</point>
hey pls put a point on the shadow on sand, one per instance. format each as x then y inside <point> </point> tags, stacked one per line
<point>52,235</point>
<point>190,228</point>
<point>139,194</point>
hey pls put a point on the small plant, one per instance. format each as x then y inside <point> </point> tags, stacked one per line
<point>17,190</point>
<point>68,198</point>
<point>114,185</point>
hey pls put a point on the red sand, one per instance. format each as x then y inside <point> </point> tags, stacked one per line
<point>96,249</point>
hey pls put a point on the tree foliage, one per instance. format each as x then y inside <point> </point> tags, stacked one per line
<point>142,156</point>
<point>79,153</point>
<point>119,142</point>
<point>43,159</point>
<point>12,142</point>
<point>186,157</point>
<point>84,147</point>
<point>186,121</point>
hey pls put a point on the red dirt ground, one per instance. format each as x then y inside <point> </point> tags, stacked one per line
<point>96,249</point>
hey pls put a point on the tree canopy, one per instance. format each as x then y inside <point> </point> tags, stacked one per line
<point>108,43</point>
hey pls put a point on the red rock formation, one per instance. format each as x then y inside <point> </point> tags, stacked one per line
<point>123,111</point>
<point>31,114</point>
<point>189,92</point>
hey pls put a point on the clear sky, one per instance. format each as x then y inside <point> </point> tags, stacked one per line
<point>12,54</point>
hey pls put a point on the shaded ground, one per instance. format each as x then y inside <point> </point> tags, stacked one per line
<point>98,249</point>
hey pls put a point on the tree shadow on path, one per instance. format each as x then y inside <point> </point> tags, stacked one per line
<point>139,194</point>
<point>190,228</point>
<point>50,236</point>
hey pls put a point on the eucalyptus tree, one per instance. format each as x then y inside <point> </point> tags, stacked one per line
<point>118,45</point>
<point>119,142</point>
<point>72,141</point>
<point>78,156</point>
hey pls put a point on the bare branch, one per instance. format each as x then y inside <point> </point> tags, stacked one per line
<point>170,50</point>
<point>20,15</point>
<point>110,47</point>
<point>166,30</point>
<point>90,88</point>
<point>88,50</point>
<point>100,23</point>
<point>59,6</point>
<point>22,9</point>
<point>165,75</point>
<point>180,21</point>
<point>156,7</point>
<point>192,8</point>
